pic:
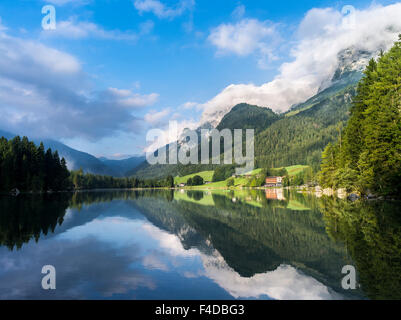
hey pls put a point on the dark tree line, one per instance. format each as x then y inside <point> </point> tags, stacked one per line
<point>371,232</point>
<point>85,181</point>
<point>27,167</point>
<point>367,155</point>
<point>30,217</point>
<point>30,168</point>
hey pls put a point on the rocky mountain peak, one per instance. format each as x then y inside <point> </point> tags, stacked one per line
<point>351,63</point>
<point>352,59</point>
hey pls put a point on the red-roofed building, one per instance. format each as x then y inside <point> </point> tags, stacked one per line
<point>274,182</point>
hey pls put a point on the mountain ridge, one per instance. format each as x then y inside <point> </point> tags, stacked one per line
<point>295,137</point>
<point>246,116</point>
<point>90,164</point>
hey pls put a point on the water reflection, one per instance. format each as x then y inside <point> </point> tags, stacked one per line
<point>28,217</point>
<point>197,245</point>
<point>372,234</point>
<point>275,194</point>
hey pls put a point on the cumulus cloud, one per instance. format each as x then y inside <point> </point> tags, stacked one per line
<point>152,261</point>
<point>172,131</point>
<point>190,105</point>
<point>72,252</point>
<point>172,124</point>
<point>162,11</point>
<point>155,118</point>
<point>73,29</point>
<point>242,38</point>
<point>284,283</point>
<point>45,93</point>
<point>321,36</point>
<point>129,99</point>
<point>169,243</point>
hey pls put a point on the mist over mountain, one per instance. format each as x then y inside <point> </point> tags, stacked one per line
<point>325,40</point>
<point>297,136</point>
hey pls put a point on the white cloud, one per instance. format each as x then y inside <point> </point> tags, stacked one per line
<point>162,11</point>
<point>243,38</point>
<point>169,243</point>
<point>182,126</point>
<point>73,29</point>
<point>284,283</point>
<point>127,98</point>
<point>45,93</point>
<point>190,105</point>
<point>22,57</point>
<point>322,35</point>
<point>153,262</point>
<point>164,249</point>
<point>155,118</point>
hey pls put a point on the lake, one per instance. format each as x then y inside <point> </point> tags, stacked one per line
<point>255,244</point>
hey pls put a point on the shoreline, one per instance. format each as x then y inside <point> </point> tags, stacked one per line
<point>316,191</point>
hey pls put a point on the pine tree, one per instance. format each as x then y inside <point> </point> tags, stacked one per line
<point>368,158</point>
<point>29,168</point>
<point>328,166</point>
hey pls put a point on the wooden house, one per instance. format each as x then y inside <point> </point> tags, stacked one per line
<point>274,182</point>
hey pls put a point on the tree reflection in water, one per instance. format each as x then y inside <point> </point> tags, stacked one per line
<point>254,231</point>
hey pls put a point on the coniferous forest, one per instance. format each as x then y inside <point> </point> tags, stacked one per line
<point>367,156</point>
<point>27,167</point>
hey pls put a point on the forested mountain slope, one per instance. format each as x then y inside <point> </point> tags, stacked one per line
<point>296,137</point>
<point>367,158</point>
<point>242,116</point>
<point>245,116</point>
<point>301,136</point>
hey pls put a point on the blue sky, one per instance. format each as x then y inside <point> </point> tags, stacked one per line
<point>114,69</point>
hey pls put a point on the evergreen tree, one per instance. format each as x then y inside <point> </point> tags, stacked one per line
<point>29,168</point>
<point>368,157</point>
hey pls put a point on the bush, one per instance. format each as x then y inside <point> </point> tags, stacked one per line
<point>195,181</point>
<point>230,182</point>
<point>223,173</point>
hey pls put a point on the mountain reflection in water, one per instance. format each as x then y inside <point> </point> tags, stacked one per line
<point>254,244</point>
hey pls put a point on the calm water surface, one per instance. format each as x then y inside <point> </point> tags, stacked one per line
<point>198,245</point>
